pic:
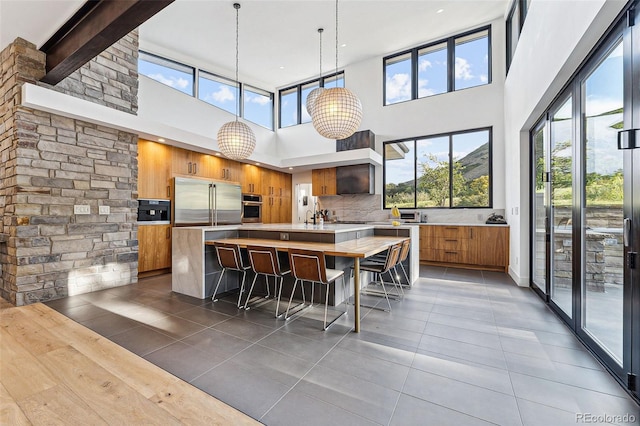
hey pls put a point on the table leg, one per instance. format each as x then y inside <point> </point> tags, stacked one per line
<point>356,294</point>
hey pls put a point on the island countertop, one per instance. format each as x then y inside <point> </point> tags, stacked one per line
<point>327,228</point>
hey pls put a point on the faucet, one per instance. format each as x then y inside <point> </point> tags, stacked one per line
<point>306,220</point>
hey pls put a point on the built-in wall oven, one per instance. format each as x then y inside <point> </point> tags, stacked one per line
<point>251,208</point>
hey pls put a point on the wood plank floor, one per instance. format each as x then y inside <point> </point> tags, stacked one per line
<point>55,371</point>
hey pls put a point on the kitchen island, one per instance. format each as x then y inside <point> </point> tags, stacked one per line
<point>195,268</point>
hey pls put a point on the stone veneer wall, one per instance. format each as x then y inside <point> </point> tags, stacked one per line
<point>51,163</point>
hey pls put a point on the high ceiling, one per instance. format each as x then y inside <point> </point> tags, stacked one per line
<point>278,39</point>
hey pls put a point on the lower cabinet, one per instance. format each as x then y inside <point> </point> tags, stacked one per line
<point>154,247</point>
<point>477,247</point>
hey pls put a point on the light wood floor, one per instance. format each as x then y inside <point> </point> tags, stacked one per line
<point>55,371</point>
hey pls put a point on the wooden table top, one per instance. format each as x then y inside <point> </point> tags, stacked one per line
<point>360,248</point>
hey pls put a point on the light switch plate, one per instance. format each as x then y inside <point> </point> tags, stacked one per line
<point>104,209</point>
<point>81,209</point>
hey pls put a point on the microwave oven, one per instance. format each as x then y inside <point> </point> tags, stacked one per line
<point>409,216</point>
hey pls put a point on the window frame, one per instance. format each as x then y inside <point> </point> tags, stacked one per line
<point>298,87</point>
<point>450,43</point>
<point>195,76</point>
<point>239,107</point>
<point>522,6</point>
<point>166,62</point>
<point>450,136</point>
<point>262,92</point>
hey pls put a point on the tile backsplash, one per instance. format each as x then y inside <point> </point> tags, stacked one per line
<point>368,208</point>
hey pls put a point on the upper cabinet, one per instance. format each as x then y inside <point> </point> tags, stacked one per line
<point>323,181</point>
<point>189,163</point>
<point>224,169</point>
<point>154,170</point>
<point>250,178</point>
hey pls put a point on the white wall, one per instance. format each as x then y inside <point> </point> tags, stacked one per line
<point>556,38</point>
<point>465,109</point>
<point>163,104</point>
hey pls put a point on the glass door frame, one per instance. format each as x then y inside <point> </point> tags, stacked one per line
<point>567,95</point>
<point>629,373</point>
<point>543,126</point>
<point>632,297</point>
<point>616,35</point>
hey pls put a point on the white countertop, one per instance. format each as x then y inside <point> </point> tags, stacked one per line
<point>461,224</point>
<point>328,228</point>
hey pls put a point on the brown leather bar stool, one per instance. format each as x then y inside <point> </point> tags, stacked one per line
<point>404,254</point>
<point>310,265</point>
<point>230,259</point>
<point>379,269</point>
<point>264,261</point>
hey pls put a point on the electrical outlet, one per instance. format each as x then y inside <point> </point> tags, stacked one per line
<point>104,209</point>
<point>284,236</point>
<point>81,209</point>
<point>479,216</point>
<point>358,234</point>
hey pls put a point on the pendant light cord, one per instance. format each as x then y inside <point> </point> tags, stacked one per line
<point>237,7</point>
<point>336,38</point>
<point>320,30</point>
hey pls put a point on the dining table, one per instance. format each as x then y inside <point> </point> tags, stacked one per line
<point>356,249</point>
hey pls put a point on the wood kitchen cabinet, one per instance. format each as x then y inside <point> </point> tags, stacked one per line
<point>154,247</point>
<point>490,246</point>
<point>323,181</point>
<point>224,169</point>
<point>476,247</point>
<point>276,197</point>
<point>189,163</point>
<point>251,179</point>
<point>154,170</point>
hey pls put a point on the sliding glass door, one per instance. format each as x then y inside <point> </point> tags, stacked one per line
<point>540,203</point>
<point>602,289</point>
<point>561,177</point>
<point>585,224</point>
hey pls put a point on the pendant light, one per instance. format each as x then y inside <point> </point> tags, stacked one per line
<point>235,139</point>
<point>337,112</point>
<point>313,95</point>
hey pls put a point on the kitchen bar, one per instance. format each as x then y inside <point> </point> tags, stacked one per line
<point>195,266</point>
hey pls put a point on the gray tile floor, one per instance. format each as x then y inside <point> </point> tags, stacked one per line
<point>462,348</point>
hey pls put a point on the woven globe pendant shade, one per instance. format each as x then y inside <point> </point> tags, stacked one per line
<point>311,99</point>
<point>337,113</point>
<point>236,140</point>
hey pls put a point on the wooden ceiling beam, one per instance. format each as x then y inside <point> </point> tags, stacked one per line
<point>96,26</point>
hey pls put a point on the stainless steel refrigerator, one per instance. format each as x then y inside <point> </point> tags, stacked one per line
<point>205,202</point>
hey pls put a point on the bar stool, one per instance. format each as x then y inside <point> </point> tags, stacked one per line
<point>230,258</point>
<point>404,254</point>
<point>264,261</point>
<point>310,265</point>
<point>382,268</point>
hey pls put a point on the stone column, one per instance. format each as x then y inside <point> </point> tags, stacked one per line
<point>51,163</point>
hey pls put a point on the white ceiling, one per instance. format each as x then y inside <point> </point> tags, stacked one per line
<point>34,20</point>
<point>273,34</point>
